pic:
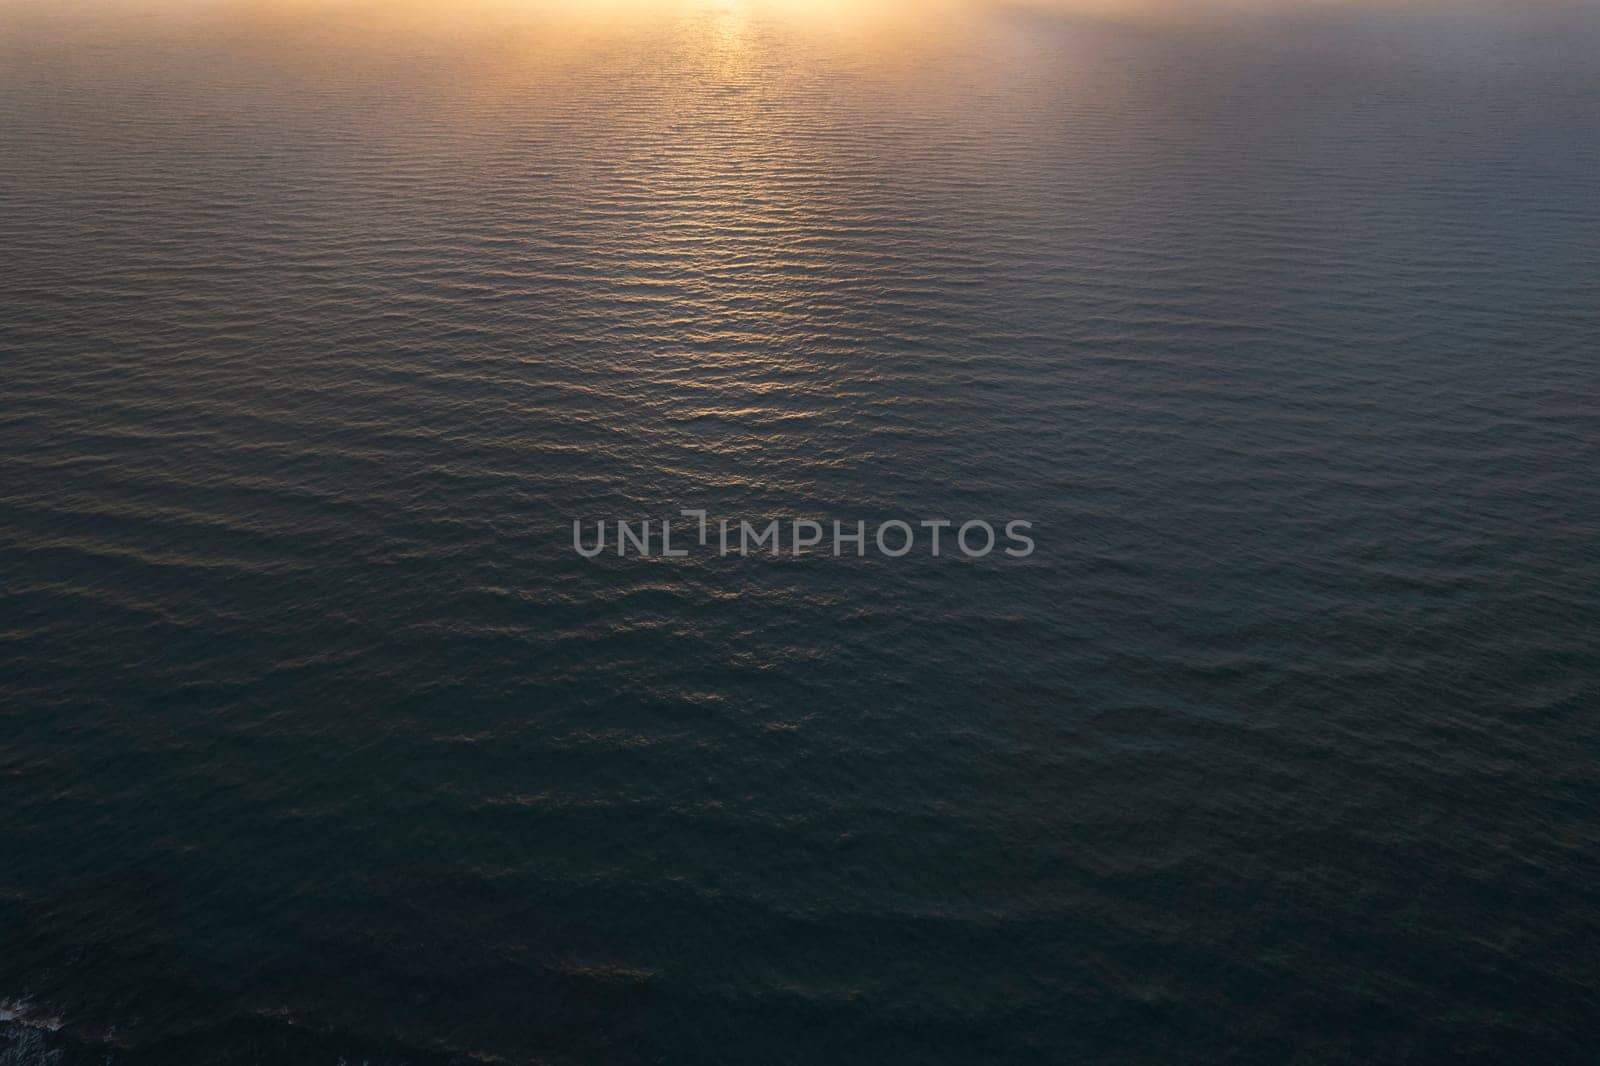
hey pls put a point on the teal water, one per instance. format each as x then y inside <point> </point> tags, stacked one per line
<point>321,323</point>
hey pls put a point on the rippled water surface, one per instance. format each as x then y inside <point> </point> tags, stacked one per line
<point>320,323</point>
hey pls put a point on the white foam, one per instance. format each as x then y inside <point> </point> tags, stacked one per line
<point>22,1012</point>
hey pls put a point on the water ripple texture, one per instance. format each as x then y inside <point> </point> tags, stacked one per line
<point>321,321</point>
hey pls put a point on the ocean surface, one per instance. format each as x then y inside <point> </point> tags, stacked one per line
<point>321,322</point>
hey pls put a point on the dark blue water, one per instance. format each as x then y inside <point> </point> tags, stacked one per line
<point>320,324</point>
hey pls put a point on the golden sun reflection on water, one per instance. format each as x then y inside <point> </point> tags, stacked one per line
<point>588,19</point>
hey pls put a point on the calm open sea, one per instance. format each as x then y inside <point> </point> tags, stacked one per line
<point>321,322</point>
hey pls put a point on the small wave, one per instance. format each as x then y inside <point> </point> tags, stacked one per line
<point>24,1013</point>
<point>27,1035</point>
